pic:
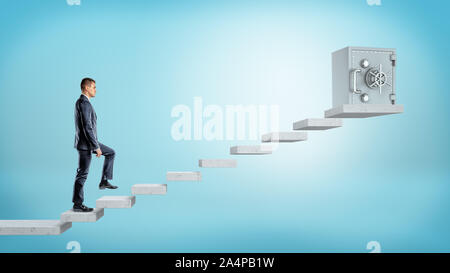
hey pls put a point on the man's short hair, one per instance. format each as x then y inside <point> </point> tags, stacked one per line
<point>86,82</point>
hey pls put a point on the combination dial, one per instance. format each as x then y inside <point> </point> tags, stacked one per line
<point>376,78</point>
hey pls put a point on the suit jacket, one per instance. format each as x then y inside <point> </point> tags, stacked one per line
<point>85,125</point>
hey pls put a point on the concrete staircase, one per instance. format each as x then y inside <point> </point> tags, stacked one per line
<point>333,119</point>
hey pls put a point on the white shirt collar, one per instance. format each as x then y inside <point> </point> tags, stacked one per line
<point>86,97</point>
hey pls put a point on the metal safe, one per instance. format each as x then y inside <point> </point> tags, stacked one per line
<point>364,75</point>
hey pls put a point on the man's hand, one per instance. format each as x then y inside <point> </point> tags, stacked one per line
<point>99,152</point>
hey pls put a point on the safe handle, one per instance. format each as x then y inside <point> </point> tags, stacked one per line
<point>355,89</point>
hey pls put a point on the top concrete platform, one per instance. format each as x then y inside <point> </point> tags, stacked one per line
<point>33,227</point>
<point>363,110</point>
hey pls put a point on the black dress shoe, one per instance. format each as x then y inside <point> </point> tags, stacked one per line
<point>106,185</point>
<point>81,208</point>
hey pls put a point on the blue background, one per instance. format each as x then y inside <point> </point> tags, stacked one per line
<point>382,179</point>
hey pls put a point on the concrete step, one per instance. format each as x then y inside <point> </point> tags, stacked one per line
<point>317,124</point>
<point>93,216</point>
<point>183,176</point>
<point>217,163</point>
<point>251,150</point>
<point>33,227</point>
<point>149,189</point>
<point>116,202</point>
<point>284,137</point>
<point>363,110</point>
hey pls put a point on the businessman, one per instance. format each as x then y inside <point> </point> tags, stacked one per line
<point>86,143</point>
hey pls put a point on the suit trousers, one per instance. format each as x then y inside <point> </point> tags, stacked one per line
<point>84,161</point>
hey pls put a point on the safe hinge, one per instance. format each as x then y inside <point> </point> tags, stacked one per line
<point>393,59</point>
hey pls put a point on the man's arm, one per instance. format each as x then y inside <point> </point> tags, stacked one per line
<point>86,112</point>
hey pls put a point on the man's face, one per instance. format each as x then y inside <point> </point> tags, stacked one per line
<point>90,89</point>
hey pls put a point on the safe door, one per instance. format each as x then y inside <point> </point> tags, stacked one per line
<point>372,79</point>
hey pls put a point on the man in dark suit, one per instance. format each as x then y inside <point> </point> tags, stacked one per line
<point>86,143</point>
